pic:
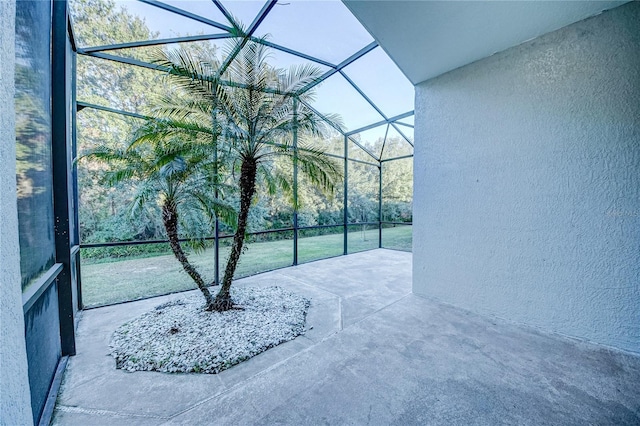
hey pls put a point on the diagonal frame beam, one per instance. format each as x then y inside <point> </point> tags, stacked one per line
<point>224,11</point>
<point>360,53</point>
<point>186,14</point>
<point>82,105</point>
<point>370,102</point>
<point>380,123</point>
<point>366,98</point>
<point>156,42</point>
<point>404,124</point>
<point>147,65</point>
<point>252,28</point>
<point>395,126</point>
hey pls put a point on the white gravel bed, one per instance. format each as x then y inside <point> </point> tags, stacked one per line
<point>181,337</point>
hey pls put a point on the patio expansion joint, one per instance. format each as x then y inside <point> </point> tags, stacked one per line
<point>299,281</point>
<point>94,411</point>
<point>249,379</point>
<point>380,309</point>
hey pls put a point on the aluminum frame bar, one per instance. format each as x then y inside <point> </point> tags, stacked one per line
<point>366,98</point>
<point>159,68</point>
<point>187,14</point>
<point>380,123</point>
<point>397,158</point>
<point>254,26</point>
<point>82,105</point>
<point>157,42</point>
<point>224,11</point>
<point>380,203</point>
<point>295,181</point>
<point>345,192</point>
<point>61,164</point>
<point>384,142</point>
<point>402,134</point>
<point>404,124</point>
<point>293,52</point>
<point>360,53</point>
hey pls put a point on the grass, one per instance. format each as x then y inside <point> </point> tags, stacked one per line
<point>123,280</point>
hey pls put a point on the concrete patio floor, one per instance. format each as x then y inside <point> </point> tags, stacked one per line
<point>373,354</point>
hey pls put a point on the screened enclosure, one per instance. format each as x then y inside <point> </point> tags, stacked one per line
<point>364,101</point>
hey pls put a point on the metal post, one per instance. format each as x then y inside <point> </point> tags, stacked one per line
<point>216,182</point>
<point>60,159</point>
<point>74,173</point>
<point>216,246</point>
<point>380,206</point>
<point>295,181</point>
<point>346,185</point>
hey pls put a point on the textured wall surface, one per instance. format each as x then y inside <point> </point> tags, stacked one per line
<point>15,400</point>
<point>527,171</point>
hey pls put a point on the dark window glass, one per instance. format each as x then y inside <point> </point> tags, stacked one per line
<point>33,138</point>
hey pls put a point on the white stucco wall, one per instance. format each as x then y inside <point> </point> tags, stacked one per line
<point>15,399</point>
<point>527,171</point>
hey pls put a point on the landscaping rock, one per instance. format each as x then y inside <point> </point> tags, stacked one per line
<point>181,337</point>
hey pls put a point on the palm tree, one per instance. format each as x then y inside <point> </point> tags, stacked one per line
<point>263,118</point>
<point>172,173</point>
<point>251,113</point>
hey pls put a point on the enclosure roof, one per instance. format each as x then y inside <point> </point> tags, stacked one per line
<point>360,82</point>
<point>429,38</point>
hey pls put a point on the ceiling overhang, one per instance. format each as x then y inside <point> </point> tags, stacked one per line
<point>429,38</point>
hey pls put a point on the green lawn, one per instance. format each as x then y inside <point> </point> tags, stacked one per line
<point>123,280</point>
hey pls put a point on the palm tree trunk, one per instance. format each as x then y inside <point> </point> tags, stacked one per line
<point>248,170</point>
<point>170,220</point>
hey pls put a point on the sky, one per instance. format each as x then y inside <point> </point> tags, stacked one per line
<point>323,29</point>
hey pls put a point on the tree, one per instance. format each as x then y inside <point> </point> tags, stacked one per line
<point>251,113</point>
<point>173,173</point>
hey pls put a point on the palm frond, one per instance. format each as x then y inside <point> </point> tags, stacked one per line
<point>321,170</point>
<point>300,76</point>
<point>214,207</point>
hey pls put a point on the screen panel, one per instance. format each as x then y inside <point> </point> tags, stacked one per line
<point>361,237</point>
<point>320,243</point>
<point>363,190</point>
<point>125,273</point>
<point>396,145</point>
<point>397,190</point>
<point>336,95</point>
<point>262,252</point>
<point>397,237</point>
